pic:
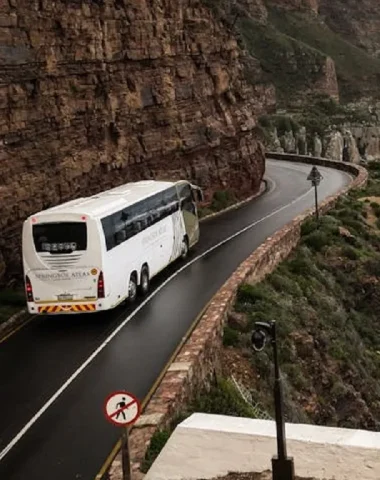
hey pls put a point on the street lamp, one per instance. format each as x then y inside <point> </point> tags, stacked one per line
<point>315,178</point>
<point>282,466</point>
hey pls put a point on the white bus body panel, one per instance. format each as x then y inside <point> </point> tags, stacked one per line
<point>157,246</point>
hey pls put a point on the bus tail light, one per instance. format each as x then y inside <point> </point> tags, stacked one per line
<point>29,290</point>
<point>101,285</point>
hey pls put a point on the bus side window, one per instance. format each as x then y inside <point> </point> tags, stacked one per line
<point>171,201</point>
<point>109,232</point>
<point>186,197</point>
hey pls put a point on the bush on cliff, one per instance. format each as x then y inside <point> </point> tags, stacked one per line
<point>326,301</point>
<point>11,302</point>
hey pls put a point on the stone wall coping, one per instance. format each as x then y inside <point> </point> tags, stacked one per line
<point>209,446</point>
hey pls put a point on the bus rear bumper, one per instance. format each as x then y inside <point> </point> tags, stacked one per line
<point>61,309</point>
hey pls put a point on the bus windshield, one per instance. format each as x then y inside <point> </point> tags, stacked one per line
<point>60,237</point>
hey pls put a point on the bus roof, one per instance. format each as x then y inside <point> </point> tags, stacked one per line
<point>109,201</point>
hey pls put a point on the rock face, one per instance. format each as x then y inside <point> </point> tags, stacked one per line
<point>368,141</point>
<point>255,9</point>
<point>298,71</point>
<point>97,93</point>
<point>358,22</point>
<point>336,144</point>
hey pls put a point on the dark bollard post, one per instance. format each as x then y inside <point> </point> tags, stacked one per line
<point>282,466</point>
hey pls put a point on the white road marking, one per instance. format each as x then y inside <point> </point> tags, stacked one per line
<point>70,380</point>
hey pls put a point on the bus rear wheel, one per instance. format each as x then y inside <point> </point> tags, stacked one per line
<point>144,281</point>
<point>132,289</point>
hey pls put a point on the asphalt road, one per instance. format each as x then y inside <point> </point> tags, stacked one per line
<point>56,371</point>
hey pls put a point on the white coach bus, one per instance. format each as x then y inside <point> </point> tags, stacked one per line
<point>93,253</point>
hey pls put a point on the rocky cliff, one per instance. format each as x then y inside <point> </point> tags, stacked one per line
<point>97,93</point>
<point>323,58</point>
<point>357,22</point>
<point>327,47</point>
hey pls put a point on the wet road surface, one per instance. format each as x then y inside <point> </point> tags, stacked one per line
<point>51,420</point>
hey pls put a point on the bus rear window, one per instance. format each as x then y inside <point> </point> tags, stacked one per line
<point>60,237</point>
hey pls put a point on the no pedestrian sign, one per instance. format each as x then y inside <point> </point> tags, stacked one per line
<point>122,408</point>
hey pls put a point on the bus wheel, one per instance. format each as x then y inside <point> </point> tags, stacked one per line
<point>184,248</point>
<point>144,281</point>
<point>132,288</point>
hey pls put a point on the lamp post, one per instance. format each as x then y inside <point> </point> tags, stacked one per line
<point>282,465</point>
<point>315,178</point>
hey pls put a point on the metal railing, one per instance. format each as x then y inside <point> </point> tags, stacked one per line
<point>246,395</point>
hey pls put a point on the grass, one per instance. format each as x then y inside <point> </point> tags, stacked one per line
<point>11,302</point>
<point>326,300</point>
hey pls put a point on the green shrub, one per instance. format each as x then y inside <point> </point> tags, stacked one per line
<point>157,443</point>
<point>252,293</point>
<point>12,297</point>
<point>230,337</point>
<point>376,209</point>
<point>300,265</point>
<point>223,399</point>
<point>222,199</point>
<point>309,226</point>
<point>372,266</point>
<point>350,252</point>
<point>285,284</point>
<point>317,240</point>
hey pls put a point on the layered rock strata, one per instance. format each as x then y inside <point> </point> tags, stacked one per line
<point>97,93</point>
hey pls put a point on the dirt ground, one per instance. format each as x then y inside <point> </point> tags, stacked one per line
<point>253,476</point>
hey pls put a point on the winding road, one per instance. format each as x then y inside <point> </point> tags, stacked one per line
<point>56,371</point>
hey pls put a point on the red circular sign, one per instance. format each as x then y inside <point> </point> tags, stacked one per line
<point>122,408</point>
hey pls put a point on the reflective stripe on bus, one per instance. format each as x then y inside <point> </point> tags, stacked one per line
<point>90,307</point>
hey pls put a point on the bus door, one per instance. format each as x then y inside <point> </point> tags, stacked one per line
<point>189,212</point>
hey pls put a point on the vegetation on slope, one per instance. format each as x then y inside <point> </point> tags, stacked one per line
<point>292,66</point>
<point>326,300</point>
<point>354,66</point>
<point>292,49</point>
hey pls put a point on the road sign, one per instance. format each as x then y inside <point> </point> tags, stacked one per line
<point>315,176</point>
<point>122,408</point>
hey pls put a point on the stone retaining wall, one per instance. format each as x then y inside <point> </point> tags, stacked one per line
<point>198,359</point>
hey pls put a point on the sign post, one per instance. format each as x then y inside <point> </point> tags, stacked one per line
<point>123,409</point>
<point>315,178</point>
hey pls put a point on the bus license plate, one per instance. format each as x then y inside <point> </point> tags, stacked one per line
<point>65,297</point>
